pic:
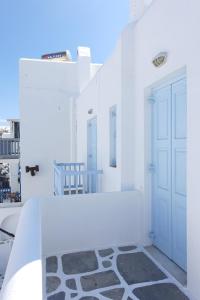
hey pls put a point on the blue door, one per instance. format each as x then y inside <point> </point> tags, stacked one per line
<point>169,176</point>
<point>92,153</point>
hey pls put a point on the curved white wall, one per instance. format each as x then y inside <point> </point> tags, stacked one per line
<point>69,223</point>
<point>23,280</point>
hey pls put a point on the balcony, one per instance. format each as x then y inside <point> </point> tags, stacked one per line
<point>9,148</point>
<point>74,178</point>
<point>85,247</point>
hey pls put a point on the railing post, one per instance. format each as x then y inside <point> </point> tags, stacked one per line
<point>74,178</point>
<point>9,147</point>
<point>62,181</point>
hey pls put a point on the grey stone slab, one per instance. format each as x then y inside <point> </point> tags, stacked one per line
<point>58,296</point>
<point>99,280</point>
<point>163,291</point>
<point>52,283</point>
<point>107,263</point>
<point>137,268</point>
<point>71,284</point>
<point>51,264</point>
<point>115,294</point>
<point>89,298</point>
<point>127,248</point>
<point>80,262</point>
<point>106,252</point>
<point>73,295</point>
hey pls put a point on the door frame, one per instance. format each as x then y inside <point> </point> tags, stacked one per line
<point>92,184</point>
<point>148,135</point>
<point>88,121</point>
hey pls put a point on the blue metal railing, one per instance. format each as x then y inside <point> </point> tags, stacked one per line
<point>9,148</point>
<point>73,178</point>
<point>4,193</point>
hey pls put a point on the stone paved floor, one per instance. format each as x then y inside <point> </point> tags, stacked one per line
<point>123,273</point>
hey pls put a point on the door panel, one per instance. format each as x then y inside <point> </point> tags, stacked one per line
<point>162,162</point>
<point>179,159</point>
<point>169,178</point>
<point>92,151</point>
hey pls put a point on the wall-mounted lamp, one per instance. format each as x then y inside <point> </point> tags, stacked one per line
<point>32,170</point>
<point>160,59</point>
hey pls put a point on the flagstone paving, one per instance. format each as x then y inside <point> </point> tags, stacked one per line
<point>123,273</point>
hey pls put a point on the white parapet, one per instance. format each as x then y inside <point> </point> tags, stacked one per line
<point>23,278</point>
<point>87,221</point>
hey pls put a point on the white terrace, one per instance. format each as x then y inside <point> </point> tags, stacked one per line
<point>130,130</point>
<point>75,251</point>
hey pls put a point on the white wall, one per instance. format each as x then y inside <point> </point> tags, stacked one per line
<point>83,222</point>
<point>46,92</point>
<point>102,92</point>
<point>47,108</point>
<point>164,28</point>
<point>126,79</point>
<point>23,279</point>
<point>61,224</point>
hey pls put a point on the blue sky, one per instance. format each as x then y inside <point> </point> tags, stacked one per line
<point>29,28</point>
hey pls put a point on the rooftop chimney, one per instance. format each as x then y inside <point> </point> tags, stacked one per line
<point>84,62</point>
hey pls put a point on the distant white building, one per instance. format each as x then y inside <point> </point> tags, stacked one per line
<point>13,129</point>
<point>10,152</point>
<point>135,120</point>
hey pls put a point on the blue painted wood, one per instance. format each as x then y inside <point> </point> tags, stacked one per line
<point>92,153</point>
<point>179,112</point>
<point>9,148</point>
<point>169,176</point>
<point>3,194</point>
<point>162,163</point>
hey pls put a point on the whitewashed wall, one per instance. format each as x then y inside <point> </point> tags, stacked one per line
<point>23,279</point>
<point>93,221</point>
<point>125,80</point>
<point>46,91</point>
<point>64,224</point>
<point>47,108</point>
<point>102,92</point>
<point>9,217</point>
<point>164,28</point>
